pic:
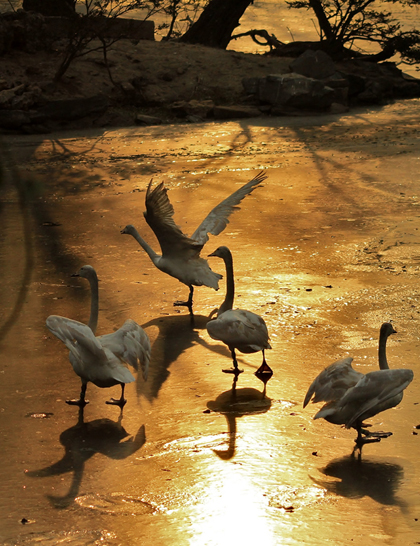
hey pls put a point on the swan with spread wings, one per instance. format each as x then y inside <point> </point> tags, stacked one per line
<point>102,359</point>
<point>352,397</point>
<point>180,256</point>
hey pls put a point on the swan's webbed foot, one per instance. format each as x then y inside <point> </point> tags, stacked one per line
<point>81,402</point>
<point>235,370</point>
<point>264,373</point>
<point>121,402</point>
<point>117,402</point>
<point>379,435</point>
<point>188,303</point>
<point>366,437</point>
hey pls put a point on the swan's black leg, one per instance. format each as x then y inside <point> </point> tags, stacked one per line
<point>366,437</point>
<point>235,370</point>
<point>188,303</point>
<point>118,402</point>
<point>264,372</point>
<point>81,402</point>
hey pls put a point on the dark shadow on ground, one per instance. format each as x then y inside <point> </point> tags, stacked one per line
<point>83,441</point>
<point>176,335</point>
<point>357,478</point>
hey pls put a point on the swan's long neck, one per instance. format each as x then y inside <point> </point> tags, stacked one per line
<point>152,254</point>
<point>383,363</point>
<point>94,303</point>
<point>230,285</point>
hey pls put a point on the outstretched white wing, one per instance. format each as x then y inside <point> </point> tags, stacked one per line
<point>216,221</point>
<point>130,344</point>
<point>159,215</point>
<point>375,393</point>
<point>90,359</point>
<point>333,382</point>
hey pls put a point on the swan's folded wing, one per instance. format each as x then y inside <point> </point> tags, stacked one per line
<point>159,215</point>
<point>78,338</point>
<point>130,344</point>
<point>238,327</point>
<point>333,382</point>
<point>375,390</point>
<point>216,221</point>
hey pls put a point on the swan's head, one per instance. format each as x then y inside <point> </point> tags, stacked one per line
<point>387,329</point>
<point>87,271</point>
<point>221,252</point>
<point>128,229</point>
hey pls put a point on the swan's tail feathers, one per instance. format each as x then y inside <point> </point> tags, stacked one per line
<point>216,221</point>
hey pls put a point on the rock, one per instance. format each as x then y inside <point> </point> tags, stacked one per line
<point>143,119</point>
<point>250,85</point>
<point>314,64</point>
<point>338,108</point>
<point>201,109</point>
<point>235,112</point>
<point>25,31</point>
<point>14,119</point>
<point>7,95</point>
<point>26,100</point>
<point>295,91</point>
<point>69,110</point>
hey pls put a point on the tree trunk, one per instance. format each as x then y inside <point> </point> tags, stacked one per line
<point>215,25</point>
<point>324,24</point>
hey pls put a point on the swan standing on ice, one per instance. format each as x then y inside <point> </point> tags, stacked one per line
<point>181,254</point>
<point>352,396</point>
<point>237,328</point>
<point>101,359</point>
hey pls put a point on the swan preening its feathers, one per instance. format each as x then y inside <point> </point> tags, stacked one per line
<point>101,360</point>
<point>237,328</point>
<point>351,396</point>
<point>180,256</point>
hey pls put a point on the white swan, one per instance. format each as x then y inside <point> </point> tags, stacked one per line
<point>181,254</point>
<point>237,328</point>
<point>101,359</point>
<point>352,396</point>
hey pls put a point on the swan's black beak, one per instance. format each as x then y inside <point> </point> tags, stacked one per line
<point>75,275</point>
<point>212,254</point>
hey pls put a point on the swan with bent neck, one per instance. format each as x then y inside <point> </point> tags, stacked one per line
<point>239,329</point>
<point>352,396</point>
<point>101,360</point>
<point>180,256</point>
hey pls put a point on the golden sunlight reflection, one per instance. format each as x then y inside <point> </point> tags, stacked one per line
<point>233,511</point>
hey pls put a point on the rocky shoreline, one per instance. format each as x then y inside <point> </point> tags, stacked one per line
<point>169,82</point>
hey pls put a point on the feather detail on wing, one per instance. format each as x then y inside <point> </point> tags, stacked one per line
<point>78,338</point>
<point>130,344</point>
<point>333,382</point>
<point>91,359</point>
<point>375,391</point>
<point>159,215</point>
<point>216,221</point>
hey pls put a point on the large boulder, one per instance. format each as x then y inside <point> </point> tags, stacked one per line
<point>294,91</point>
<point>314,64</point>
